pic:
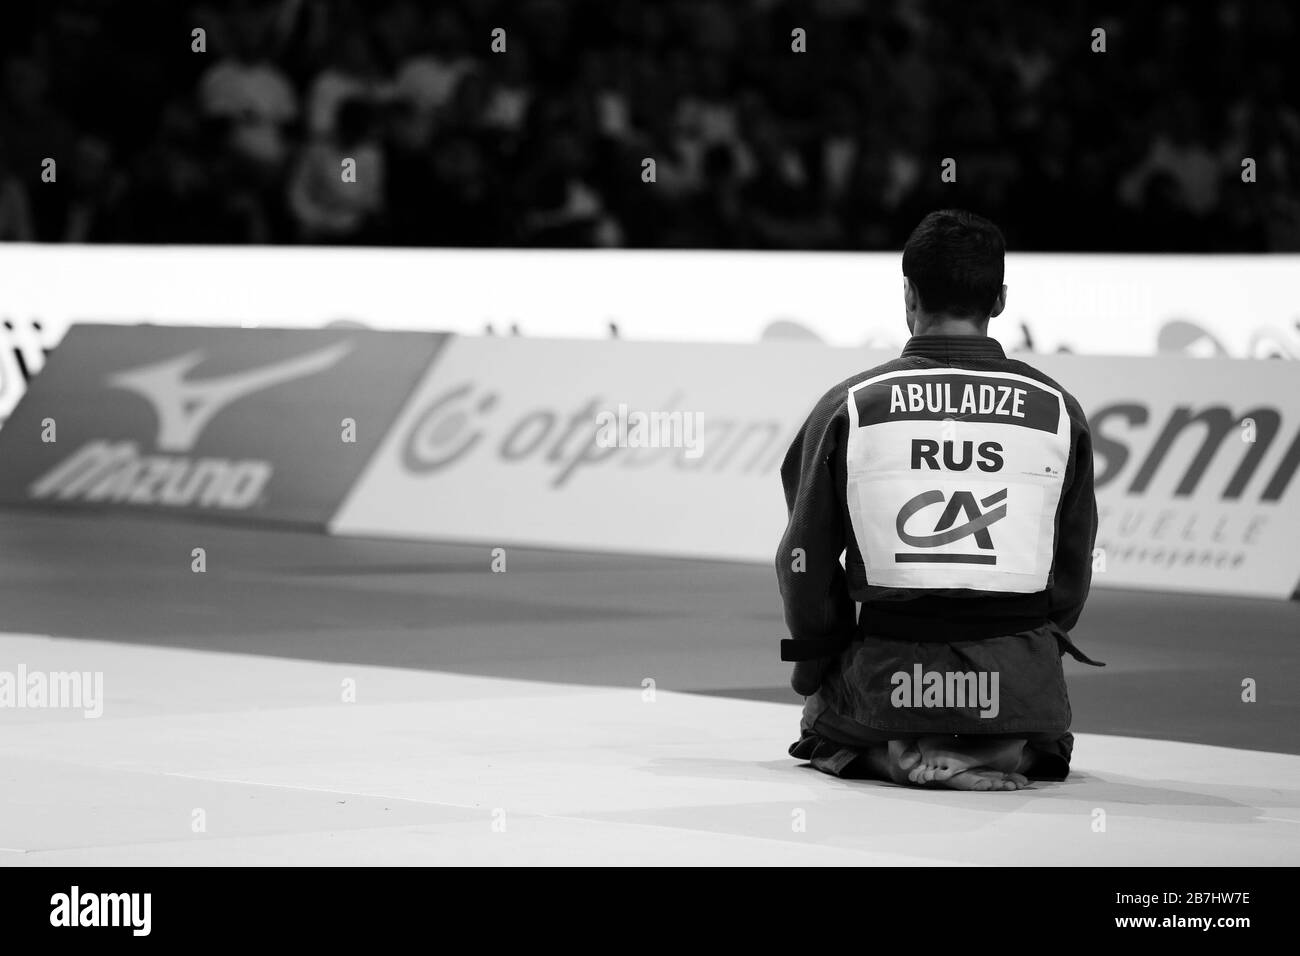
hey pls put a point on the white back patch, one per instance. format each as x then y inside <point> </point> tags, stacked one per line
<point>954,477</point>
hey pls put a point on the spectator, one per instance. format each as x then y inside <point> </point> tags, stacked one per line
<point>350,75</point>
<point>336,190</point>
<point>252,96</point>
<point>1189,168</point>
<point>33,129</point>
<point>15,211</point>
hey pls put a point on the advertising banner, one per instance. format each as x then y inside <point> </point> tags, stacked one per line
<point>1196,467</point>
<point>263,424</point>
<point>676,449</point>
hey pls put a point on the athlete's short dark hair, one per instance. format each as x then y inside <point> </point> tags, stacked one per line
<point>955,261</point>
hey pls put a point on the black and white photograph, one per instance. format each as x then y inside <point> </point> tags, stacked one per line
<point>506,434</point>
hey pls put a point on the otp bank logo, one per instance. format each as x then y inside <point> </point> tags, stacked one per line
<point>444,433</point>
<point>568,437</point>
<point>453,425</point>
<point>962,503</point>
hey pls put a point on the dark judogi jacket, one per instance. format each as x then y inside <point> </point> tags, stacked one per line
<point>958,485</point>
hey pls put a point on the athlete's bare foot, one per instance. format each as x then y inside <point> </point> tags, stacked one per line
<point>903,756</point>
<point>981,779</point>
<point>942,758</point>
<point>890,761</point>
<point>899,758</point>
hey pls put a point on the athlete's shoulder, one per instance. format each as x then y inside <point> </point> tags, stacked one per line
<point>837,395</point>
<point>1072,406</point>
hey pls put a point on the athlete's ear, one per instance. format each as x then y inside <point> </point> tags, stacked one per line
<point>999,304</point>
<point>909,295</point>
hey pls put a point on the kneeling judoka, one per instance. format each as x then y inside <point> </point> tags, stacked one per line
<point>958,485</point>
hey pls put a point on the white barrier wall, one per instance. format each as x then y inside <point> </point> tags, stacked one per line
<point>1195,460</point>
<point>1243,306</point>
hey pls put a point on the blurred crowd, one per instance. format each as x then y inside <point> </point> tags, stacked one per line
<point>755,145</point>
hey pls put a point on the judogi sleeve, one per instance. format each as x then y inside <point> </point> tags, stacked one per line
<point>1076,530</point>
<point>818,609</point>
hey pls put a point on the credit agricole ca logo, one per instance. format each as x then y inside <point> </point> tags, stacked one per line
<point>108,470</point>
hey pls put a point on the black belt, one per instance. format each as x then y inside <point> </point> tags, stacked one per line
<point>812,649</point>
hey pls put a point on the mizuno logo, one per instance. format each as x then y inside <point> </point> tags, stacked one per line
<point>186,407</point>
<point>118,471</point>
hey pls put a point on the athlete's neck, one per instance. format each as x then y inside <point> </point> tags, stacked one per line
<point>950,325</point>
